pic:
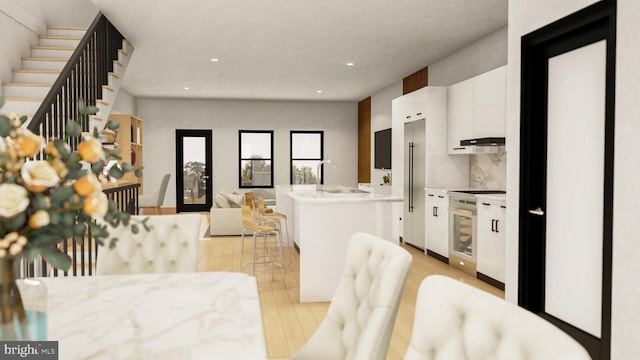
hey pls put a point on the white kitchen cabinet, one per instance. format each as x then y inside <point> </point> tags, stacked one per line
<point>489,104</point>
<point>491,238</point>
<point>437,223</point>
<point>477,109</point>
<point>460,115</point>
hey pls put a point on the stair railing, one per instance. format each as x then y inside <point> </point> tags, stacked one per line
<point>82,78</point>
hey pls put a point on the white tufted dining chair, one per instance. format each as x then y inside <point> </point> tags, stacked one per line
<point>456,321</point>
<point>171,245</point>
<point>363,310</point>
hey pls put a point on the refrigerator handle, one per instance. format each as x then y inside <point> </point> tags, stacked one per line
<point>411,177</point>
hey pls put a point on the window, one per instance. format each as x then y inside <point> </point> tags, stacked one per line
<point>256,159</point>
<point>307,152</point>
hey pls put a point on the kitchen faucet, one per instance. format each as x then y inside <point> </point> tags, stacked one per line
<point>318,171</point>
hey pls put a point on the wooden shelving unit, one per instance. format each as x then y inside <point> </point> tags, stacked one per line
<point>129,139</point>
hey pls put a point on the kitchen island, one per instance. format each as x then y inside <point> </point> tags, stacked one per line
<point>320,224</point>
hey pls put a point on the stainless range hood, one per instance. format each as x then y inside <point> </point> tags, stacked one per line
<point>487,145</point>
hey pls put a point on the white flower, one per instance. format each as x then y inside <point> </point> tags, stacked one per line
<point>39,175</point>
<point>13,200</point>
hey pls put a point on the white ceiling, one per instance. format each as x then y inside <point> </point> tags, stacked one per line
<point>289,49</point>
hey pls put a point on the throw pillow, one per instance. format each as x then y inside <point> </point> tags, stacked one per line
<point>235,200</point>
<point>221,201</point>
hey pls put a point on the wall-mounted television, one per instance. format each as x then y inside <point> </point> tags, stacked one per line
<point>382,146</point>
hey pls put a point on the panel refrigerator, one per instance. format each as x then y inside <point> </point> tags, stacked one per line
<point>414,183</point>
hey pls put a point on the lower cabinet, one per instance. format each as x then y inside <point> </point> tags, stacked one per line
<point>491,240</point>
<point>437,224</point>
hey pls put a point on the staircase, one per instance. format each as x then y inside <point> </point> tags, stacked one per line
<point>32,82</point>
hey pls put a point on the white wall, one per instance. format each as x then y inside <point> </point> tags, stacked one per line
<point>125,103</point>
<point>338,120</point>
<point>524,17</point>
<point>380,120</point>
<point>474,59</point>
<point>20,30</point>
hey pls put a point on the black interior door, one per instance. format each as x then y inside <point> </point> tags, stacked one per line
<point>566,174</point>
<point>193,170</point>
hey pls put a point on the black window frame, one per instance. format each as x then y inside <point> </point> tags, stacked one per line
<point>241,159</point>
<point>292,159</point>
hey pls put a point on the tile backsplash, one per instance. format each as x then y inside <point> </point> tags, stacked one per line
<point>488,171</point>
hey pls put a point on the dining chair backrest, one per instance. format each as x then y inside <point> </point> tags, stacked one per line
<point>454,320</point>
<point>249,199</point>
<point>362,313</point>
<point>170,245</point>
<point>163,189</point>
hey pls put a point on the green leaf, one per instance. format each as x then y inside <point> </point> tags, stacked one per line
<point>23,119</point>
<point>92,110</point>
<point>81,107</point>
<point>115,172</point>
<point>39,202</point>
<point>60,195</point>
<point>31,252</point>
<point>5,126</point>
<point>134,229</point>
<point>56,258</point>
<point>113,125</point>
<point>18,221</point>
<point>73,128</point>
<point>138,172</point>
<point>127,167</point>
<point>97,167</point>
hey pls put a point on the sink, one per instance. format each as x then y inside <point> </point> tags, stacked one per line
<point>344,191</point>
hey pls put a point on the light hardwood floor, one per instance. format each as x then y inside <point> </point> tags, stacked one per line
<point>288,323</point>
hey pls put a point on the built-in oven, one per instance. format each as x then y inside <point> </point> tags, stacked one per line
<point>463,228</point>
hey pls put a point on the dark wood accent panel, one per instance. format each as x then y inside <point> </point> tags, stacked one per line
<point>364,141</point>
<point>415,81</point>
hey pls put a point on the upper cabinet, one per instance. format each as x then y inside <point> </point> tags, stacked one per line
<point>477,109</point>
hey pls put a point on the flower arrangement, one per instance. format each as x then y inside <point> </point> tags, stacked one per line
<point>46,201</point>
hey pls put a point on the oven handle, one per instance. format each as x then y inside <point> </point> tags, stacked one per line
<point>462,212</point>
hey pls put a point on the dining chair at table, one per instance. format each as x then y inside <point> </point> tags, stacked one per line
<point>170,245</point>
<point>454,320</point>
<point>363,310</point>
<point>154,199</point>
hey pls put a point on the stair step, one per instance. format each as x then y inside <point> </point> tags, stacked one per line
<point>29,63</point>
<point>25,90</point>
<point>51,52</point>
<point>35,76</point>
<point>59,41</point>
<point>21,105</point>
<point>66,31</point>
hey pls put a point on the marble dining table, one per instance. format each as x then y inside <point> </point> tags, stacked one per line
<point>204,315</point>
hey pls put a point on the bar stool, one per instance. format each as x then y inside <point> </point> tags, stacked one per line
<point>271,254</point>
<point>278,219</point>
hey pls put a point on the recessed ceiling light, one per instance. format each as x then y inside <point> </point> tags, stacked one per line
<point>350,64</point>
<point>319,91</point>
<point>215,60</point>
<point>186,88</point>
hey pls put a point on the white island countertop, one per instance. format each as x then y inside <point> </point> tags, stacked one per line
<point>321,224</point>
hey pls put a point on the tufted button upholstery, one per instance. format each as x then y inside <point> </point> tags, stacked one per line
<point>159,250</point>
<point>456,321</point>
<point>363,310</point>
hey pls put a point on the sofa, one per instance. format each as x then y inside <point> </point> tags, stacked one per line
<point>225,215</point>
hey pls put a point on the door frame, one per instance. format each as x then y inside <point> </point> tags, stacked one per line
<point>594,23</point>
<point>208,136</point>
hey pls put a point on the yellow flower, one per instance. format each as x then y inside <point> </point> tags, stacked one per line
<point>60,168</point>
<point>87,185</point>
<point>38,176</point>
<point>96,205</point>
<point>13,200</point>
<point>27,143</point>
<point>90,150</point>
<point>39,219</point>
